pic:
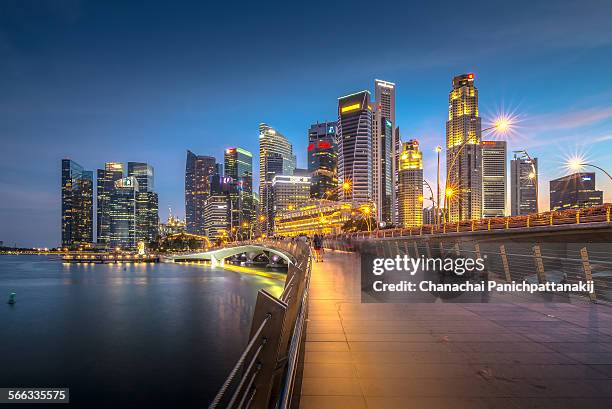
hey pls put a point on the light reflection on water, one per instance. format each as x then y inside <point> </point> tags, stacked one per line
<point>151,334</point>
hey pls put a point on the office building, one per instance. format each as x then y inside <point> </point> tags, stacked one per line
<point>106,178</point>
<point>463,151</point>
<point>290,192</point>
<point>523,186</point>
<point>323,161</point>
<point>355,148</point>
<point>574,191</point>
<point>123,214</point>
<point>216,216</point>
<point>386,135</point>
<point>77,205</point>
<point>147,202</point>
<point>410,194</point>
<point>275,158</point>
<point>239,167</point>
<point>198,170</point>
<point>494,178</point>
<point>144,174</point>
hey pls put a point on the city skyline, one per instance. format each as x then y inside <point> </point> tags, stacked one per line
<point>555,117</point>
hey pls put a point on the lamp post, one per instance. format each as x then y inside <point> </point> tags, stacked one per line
<point>437,209</point>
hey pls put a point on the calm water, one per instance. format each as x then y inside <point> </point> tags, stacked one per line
<point>131,335</point>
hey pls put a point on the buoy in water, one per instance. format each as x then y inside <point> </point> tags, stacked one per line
<point>12,298</point>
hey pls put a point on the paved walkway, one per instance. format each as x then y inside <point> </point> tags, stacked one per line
<point>449,355</point>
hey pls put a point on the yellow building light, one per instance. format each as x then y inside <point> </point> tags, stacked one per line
<point>349,108</point>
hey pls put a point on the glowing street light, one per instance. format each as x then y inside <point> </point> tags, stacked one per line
<point>577,163</point>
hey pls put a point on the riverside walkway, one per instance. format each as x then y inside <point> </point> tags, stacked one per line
<point>504,355</point>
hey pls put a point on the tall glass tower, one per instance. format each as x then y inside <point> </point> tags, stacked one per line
<point>463,151</point>
<point>77,205</point>
<point>123,214</point>
<point>274,148</point>
<point>239,167</point>
<point>494,180</point>
<point>106,178</point>
<point>323,161</point>
<point>355,147</point>
<point>147,202</point>
<point>410,193</point>
<point>198,170</point>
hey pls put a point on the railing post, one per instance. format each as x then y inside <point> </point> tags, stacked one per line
<point>489,224</point>
<point>428,249</point>
<point>457,251</point>
<point>608,214</point>
<point>472,225</point>
<point>406,248</point>
<point>416,249</point>
<point>444,225</point>
<point>442,252</point>
<point>586,266</point>
<point>537,255</point>
<point>507,221</point>
<point>528,221</point>
<point>551,218</point>
<point>504,257</point>
<point>457,226</point>
<point>578,216</point>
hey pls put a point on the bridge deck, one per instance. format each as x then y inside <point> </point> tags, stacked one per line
<point>449,355</point>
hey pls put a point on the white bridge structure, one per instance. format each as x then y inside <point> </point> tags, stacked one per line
<point>217,256</point>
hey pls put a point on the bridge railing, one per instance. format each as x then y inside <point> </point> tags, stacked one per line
<point>596,214</point>
<point>536,262</point>
<point>264,375</point>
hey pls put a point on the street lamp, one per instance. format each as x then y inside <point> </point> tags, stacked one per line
<point>577,163</point>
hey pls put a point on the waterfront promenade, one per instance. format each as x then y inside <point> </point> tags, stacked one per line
<point>505,355</point>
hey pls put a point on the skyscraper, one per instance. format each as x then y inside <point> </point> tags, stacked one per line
<point>123,214</point>
<point>198,170</point>
<point>463,153</point>
<point>574,191</point>
<point>106,178</point>
<point>523,186</point>
<point>144,174</point>
<point>494,179</point>
<point>289,192</point>
<point>239,167</point>
<point>410,197</point>
<point>275,157</point>
<point>384,93</point>
<point>147,202</point>
<point>355,147</point>
<point>323,160</point>
<point>77,205</point>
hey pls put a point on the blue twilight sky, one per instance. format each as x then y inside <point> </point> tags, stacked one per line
<point>144,81</point>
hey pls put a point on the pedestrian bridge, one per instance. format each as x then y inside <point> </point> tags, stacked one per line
<point>217,256</point>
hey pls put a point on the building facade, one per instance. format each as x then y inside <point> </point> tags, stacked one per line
<point>77,205</point>
<point>106,178</point>
<point>275,158</point>
<point>355,148</point>
<point>383,186</point>
<point>323,161</point>
<point>123,214</point>
<point>574,191</point>
<point>494,178</point>
<point>463,151</point>
<point>239,166</point>
<point>410,194</point>
<point>198,170</point>
<point>523,186</point>
<point>289,192</point>
<point>216,210</point>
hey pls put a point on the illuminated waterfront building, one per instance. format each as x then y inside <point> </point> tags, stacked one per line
<point>123,214</point>
<point>410,194</point>
<point>463,153</point>
<point>239,166</point>
<point>574,191</point>
<point>523,186</point>
<point>386,148</point>
<point>198,170</point>
<point>355,148</point>
<point>275,158</point>
<point>106,178</point>
<point>147,202</point>
<point>216,216</point>
<point>77,205</point>
<point>323,160</point>
<point>494,178</point>
<point>315,216</point>
<point>173,225</point>
<point>290,192</point>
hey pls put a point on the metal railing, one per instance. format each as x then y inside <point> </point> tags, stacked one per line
<point>596,214</point>
<point>530,261</point>
<point>264,375</point>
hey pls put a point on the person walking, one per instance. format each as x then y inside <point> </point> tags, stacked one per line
<point>318,245</point>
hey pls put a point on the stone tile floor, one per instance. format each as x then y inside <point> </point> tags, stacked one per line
<point>506,355</point>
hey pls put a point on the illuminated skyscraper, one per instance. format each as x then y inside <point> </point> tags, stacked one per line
<point>239,167</point>
<point>410,194</point>
<point>386,148</point>
<point>144,174</point>
<point>323,160</point>
<point>463,153</point>
<point>574,191</point>
<point>147,202</point>
<point>355,147</point>
<point>494,179</point>
<point>112,172</point>
<point>289,192</point>
<point>122,206</point>
<point>77,205</point>
<point>275,157</point>
<point>198,170</point>
<point>523,182</point>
